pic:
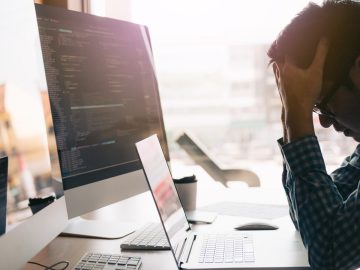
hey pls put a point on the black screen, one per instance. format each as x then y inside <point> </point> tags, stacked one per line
<point>103,92</point>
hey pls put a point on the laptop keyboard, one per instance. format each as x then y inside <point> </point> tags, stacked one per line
<point>98,261</point>
<point>227,248</point>
<point>149,237</point>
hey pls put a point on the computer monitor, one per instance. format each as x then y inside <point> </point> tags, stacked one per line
<point>23,139</point>
<point>104,97</point>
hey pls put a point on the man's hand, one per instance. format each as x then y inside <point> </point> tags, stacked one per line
<point>299,90</point>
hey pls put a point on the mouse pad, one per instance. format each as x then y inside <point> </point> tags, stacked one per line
<point>252,210</point>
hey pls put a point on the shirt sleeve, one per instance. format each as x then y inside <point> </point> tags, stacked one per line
<point>325,211</point>
<point>346,178</point>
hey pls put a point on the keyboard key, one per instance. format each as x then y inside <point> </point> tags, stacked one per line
<point>132,262</point>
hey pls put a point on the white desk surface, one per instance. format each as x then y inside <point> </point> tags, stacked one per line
<point>141,209</point>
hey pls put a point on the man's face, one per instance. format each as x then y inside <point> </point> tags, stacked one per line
<point>345,105</point>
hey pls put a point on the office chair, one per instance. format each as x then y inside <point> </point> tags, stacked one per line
<point>198,152</point>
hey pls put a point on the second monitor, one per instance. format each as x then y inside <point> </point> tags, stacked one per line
<point>104,97</point>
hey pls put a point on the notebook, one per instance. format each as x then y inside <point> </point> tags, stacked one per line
<point>220,250</point>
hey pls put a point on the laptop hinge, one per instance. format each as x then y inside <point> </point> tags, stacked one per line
<point>180,249</point>
<point>185,254</point>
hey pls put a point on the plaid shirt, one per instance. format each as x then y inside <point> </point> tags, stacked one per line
<point>324,208</point>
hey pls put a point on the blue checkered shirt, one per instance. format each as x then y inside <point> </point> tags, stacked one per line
<point>324,208</point>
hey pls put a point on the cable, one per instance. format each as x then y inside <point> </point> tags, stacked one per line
<point>52,267</point>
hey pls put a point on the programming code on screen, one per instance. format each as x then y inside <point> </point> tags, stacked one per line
<point>103,92</point>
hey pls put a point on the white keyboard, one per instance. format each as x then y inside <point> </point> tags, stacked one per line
<point>149,237</point>
<point>227,248</point>
<point>104,261</point>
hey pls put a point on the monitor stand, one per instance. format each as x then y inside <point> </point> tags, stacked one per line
<point>104,229</point>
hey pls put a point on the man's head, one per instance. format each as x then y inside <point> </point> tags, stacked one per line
<point>338,22</point>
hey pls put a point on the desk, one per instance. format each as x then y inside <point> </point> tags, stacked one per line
<point>141,209</point>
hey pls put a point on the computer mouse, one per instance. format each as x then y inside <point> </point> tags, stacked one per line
<point>256,225</point>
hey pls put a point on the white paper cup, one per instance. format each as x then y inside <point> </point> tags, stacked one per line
<point>187,193</point>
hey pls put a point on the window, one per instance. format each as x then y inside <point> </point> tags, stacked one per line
<point>215,81</point>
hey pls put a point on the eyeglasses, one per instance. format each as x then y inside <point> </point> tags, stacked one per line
<point>321,107</point>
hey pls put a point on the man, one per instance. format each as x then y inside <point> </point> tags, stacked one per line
<point>316,62</point>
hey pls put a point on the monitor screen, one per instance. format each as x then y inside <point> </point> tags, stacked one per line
<point>25,127</point>
<point>104,97</point>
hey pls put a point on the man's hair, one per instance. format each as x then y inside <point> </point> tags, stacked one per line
<point>336,20</point>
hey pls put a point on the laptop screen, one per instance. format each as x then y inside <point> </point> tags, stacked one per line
<point>163,189</point>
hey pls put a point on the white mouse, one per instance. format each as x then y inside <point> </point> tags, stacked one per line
<point>256,225</point>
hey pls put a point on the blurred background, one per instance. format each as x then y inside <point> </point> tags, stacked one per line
<point>26,133</point>
<point>214,81</point>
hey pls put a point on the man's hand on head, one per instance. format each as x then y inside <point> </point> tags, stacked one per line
<point>299,90</point>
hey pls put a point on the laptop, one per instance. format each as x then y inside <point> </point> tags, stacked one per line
<point>221,250</point>
<point>3,193</point>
